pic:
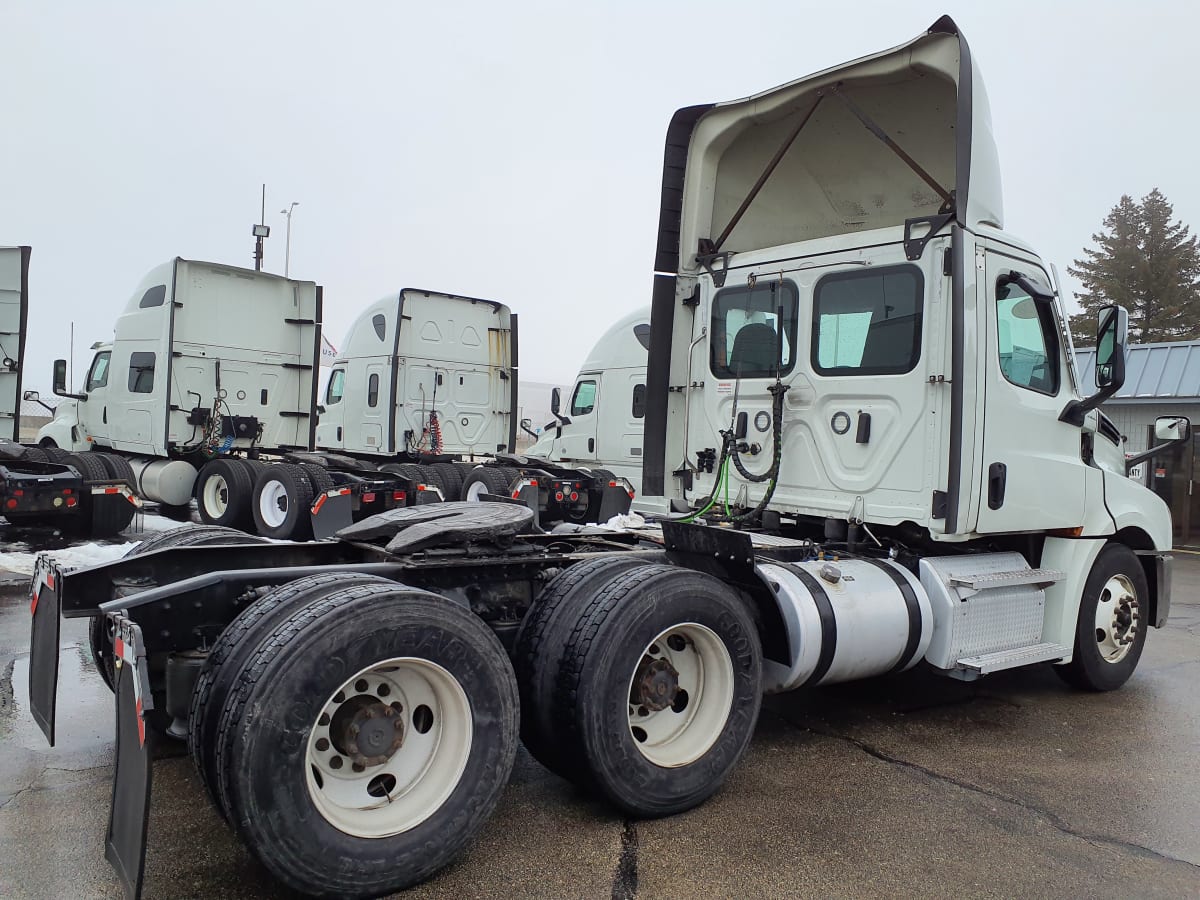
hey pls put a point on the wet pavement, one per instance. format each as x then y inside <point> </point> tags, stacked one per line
<point>905,786</point>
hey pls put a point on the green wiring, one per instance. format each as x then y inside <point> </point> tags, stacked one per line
<point>722,474</point>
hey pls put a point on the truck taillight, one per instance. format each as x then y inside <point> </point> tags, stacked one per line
<point>11,504</point>
<point>399,495</point>
<point>574,496</point>
<point>368,497</point>
<point>72,501</point>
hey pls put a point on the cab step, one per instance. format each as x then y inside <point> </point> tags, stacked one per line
<point>1041,578</point>
<point>1011,659</point>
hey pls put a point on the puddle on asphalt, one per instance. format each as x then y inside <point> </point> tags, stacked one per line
<point>84,717</point>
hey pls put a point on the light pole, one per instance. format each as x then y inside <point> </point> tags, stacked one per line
<point>287,247</point>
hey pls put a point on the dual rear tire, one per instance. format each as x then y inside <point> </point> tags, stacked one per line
<point>354,719</point>
<point>640,682</point>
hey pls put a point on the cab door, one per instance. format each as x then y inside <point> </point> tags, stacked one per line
<point>1033,475</point>
<point>330,427</point>
<point>375,410</point>
<point>93,415</point>
<point>578,440</point>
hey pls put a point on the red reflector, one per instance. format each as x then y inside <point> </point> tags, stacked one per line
<point>343,492</point>
<point>612,484</point>
<point>399,495</point>
<point>578,485</point>
<point>33,603</point>
<point>112,490</point>
<point>533,482</point>
<point>369,498</point>
<point>66,490</point>
<point>50,582</point>
<point>574,496</point>
<point>516,495</point>
<point>316,508</point>
<point>18,493</point>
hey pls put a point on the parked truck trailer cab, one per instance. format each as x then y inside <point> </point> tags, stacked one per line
<point>869,452</point>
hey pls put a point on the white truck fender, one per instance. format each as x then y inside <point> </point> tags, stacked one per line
<point>60,429</point>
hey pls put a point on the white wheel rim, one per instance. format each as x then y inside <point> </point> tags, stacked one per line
<point>216,496</point>
<point>476,490</point>
<point>424,711</point>
<point>273,503</point>
<point>680,695</point>
<point>1118,618</point>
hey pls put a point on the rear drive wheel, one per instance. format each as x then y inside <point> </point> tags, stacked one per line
<point>538,651</point>
<point>224,493</point>
<point>1113,620</point>
<point>451,477</point>
<point>659,689</point>
<point>485,480</point>
<point>392,735</point>
<point>229,654</point>
<point>282,497</point>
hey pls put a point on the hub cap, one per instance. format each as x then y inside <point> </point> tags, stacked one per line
<point>389,747</point>
<point>216,496</point>
<point>273,503</point>
<point>1118,618</point>
<point>680,695</point>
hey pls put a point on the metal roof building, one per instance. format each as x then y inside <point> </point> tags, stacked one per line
<point>1153,372</point>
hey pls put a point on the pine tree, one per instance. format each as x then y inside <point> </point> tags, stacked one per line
<point>1147,263</point>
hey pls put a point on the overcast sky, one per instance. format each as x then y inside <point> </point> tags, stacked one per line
<point>503,150</point>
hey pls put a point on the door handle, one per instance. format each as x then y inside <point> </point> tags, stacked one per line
<point>863,435</point>
<point>997,475</point>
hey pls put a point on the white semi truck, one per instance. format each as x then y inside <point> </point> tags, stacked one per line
<point>209,390</point>
<point>869,452</point>
<point>601,424</point>
<point>92,495</point>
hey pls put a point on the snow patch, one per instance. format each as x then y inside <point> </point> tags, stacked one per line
<point>71,557</point>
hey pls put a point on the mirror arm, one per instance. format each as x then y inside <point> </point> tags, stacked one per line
<point>1075,411</point>
<point>1131,461</point>
<point>82,397</point>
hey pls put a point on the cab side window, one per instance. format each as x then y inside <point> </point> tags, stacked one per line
<point>141,373</point>
<point>583,401</point>
<point>1027,340</point>
<point>746,326</point>
<point>373,390</point>
<point>336,387</point>
<point>98,376</point>
<point>868,322</point>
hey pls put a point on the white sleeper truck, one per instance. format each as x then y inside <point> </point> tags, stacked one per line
<point>91,495</point>
<point>869,451</point>
<point>208,390</point>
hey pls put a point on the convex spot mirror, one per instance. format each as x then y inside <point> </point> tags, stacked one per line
<point>1112,330</point>
<point>1172,428</point>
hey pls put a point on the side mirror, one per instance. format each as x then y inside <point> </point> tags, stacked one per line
<point>320,410</point>
<point>1112,331</point>
<point>526,424</point>
<point>555,400</point>
<point>1172,428</point>
<point>60,377</point>
<point>32,396</point>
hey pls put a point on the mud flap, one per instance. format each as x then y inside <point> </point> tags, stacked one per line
<point>615,501</point>
<point>44,606</point>
<point>332,512</point>
<point>129,814</point>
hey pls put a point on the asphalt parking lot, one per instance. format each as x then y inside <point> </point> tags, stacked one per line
<point>904,786</point>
